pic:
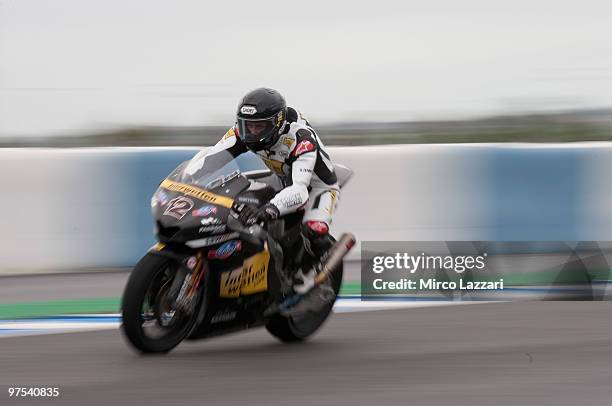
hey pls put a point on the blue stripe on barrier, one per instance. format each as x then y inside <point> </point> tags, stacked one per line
<point>535,193</point>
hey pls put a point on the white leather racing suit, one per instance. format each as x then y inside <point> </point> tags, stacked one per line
<point>300,160</point>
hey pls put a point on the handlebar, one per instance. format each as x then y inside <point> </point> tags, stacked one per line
<point>255,233</point>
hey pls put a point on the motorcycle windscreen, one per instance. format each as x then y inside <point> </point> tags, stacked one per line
<point>211,168</point>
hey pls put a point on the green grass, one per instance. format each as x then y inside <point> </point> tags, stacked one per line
<point>350,288</point>
<point>54,307</point>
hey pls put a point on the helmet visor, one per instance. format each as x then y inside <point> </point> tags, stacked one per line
<point>256,132</point>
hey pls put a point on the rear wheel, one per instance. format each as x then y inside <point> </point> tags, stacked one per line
<point>298,328</point>
<point>150,322</point>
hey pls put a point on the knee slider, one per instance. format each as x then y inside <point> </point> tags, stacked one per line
<point>315,229</point>
<point>317,235</point>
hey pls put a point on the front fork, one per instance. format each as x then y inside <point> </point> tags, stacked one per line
<point>187,282</point>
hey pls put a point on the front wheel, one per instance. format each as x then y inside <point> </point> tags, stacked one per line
<point>150,322</point>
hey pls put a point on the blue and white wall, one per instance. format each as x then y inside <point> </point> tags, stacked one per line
<point>89,208</point>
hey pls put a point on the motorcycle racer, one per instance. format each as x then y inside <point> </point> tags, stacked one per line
<point>283,138</point>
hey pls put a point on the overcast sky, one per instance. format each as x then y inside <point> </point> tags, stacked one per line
<point>78,65</point>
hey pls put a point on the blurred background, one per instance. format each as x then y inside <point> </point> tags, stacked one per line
<point>153,73</point>
<point>140,73</point>
<point>87,73</point>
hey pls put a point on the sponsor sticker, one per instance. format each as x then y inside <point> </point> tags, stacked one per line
<point>248,200</point>
<point>191,262</point>
<point>205,242</point>
<point>303,146</point>
<point>255,273</point>
<point>198,193</point>
<point>204,211</point>
<point>220,317</point>
<point>230,133</point>
<point>250,110</point>
<point>225,250</point>
<point>162,197</point>
<point>290,201</point>
<point>276,166</point>
<point>280,118</point>
<point>210,221</point>
<point>212,229</point>
<point>251,278</point>
<point>334,200</point>
<point>230,283</point>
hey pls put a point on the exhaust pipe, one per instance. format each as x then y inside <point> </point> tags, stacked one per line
<point>336,254</point>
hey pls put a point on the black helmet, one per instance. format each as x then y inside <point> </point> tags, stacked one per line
<point>260,117</point>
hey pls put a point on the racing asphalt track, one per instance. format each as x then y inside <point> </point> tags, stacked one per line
<point>522,353</point>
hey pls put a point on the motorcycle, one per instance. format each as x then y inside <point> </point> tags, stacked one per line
<point>210,275</point>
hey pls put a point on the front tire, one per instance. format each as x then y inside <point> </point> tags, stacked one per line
<point>150,323</point>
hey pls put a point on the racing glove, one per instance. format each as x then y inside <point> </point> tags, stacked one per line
<point>249,215</point>
<point>245,213</point>
<point>267,212</point>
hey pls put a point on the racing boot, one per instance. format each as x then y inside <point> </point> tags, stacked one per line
<point>316,242</point>
<point>310,297</point>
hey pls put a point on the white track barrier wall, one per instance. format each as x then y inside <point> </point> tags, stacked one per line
<point>66,209</point>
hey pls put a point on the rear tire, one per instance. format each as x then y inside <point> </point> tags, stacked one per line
<point>146,289</point>
<point>293,329</point>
